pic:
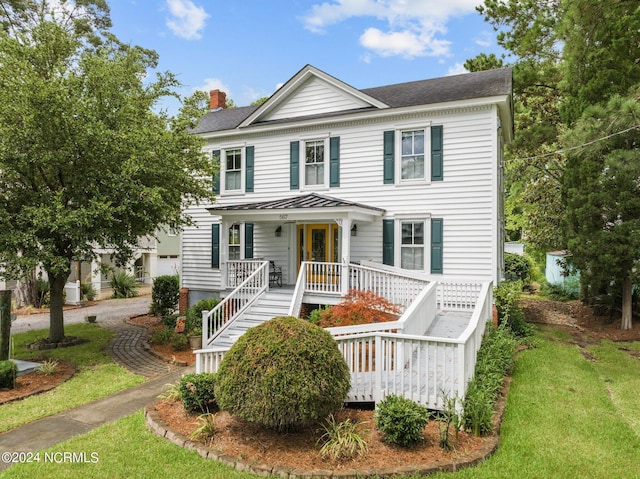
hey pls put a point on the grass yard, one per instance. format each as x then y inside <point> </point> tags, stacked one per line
<point>571,413</point>
<point>97,375</point>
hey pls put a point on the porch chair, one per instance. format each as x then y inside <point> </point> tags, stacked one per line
<point>275,274</point>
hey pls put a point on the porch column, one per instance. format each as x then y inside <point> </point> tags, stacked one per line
<point>346,254</point>
<point>96,274</point>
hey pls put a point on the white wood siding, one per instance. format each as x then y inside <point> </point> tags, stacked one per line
<point>315,97</point>
<point>466,200</point>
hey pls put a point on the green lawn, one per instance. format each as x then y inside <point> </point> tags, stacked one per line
<point>97,375</point>
<point>566,417</point>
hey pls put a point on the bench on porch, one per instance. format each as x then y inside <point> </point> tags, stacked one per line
<point>275,274</point>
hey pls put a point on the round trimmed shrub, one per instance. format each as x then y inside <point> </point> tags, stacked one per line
<point>401,420</point>
<point>284,374</point>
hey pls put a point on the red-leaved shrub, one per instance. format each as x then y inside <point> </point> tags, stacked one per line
<point>359,307</point>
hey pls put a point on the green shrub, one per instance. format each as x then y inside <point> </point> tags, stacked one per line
<point>283,374</point>
<point>179,342</point>
<point>165,295</point>
<point>161,336</point>
<point>8,372</point>
<point>124,285</point>
<point>194,313</point>
<point>518,268</point>
<point>170,321</point>
<point>87,291</point>
<point>316,315</point>
<point>197,392</point>
<point>401,420</point>
<point>558,292</point>
<point>507,297</point>
<point>494,362</point>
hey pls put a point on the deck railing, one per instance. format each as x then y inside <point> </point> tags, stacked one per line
<point>415,320</point>
<point>395,286</point>
<point>214,322</point>
<point>459,295</point>
<point>208,360</point>
<point>239,270</point>
<point>423,369</point>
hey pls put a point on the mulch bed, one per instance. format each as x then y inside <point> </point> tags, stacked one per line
<point>36,383</point>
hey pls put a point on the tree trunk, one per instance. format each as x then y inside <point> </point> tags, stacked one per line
<point>627,291</point>
<point>5,323</point>
<point>56,290</point>
<point>25,290</point>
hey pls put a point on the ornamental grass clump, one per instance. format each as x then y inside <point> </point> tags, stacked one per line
<point>284,374</point>
<point>401,420</point>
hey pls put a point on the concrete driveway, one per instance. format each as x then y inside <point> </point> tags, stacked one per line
<point>105,310</point>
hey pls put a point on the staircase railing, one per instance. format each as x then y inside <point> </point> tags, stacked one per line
<point>217,320</point>
<point>398,286</point>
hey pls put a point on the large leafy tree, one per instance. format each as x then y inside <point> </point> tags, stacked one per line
<point>602,188</point>
<point>85,158</point>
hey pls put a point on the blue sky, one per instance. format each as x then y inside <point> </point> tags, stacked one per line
<point>248,48</point>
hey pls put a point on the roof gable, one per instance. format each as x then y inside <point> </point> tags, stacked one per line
<point>312,92</point>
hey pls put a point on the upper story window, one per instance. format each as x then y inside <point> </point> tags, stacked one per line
<point>314,170</point>
<point>412,155</point>
<point>233,170</point>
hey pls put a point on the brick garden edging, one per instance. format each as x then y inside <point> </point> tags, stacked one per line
<point>160,428</point>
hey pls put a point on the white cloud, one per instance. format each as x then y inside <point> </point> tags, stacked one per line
<point>457,69</point>
<point>214,84</point>
<point>484,39</point>
<point>413,26</point>
<point>187,20</point>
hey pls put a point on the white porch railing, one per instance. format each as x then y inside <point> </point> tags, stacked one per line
<point>239,270</point>
<point>415,320</point>
<point>395,286</point>
<point>459,295</point>
<point>208,360</point>
<point>423,369</point>
<point>329,279</point>
<point>217,320</point>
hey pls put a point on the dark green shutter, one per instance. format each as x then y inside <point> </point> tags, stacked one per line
<point>334,161</point>
<point>215,154</point>
<point>248,183</point>
<point>388,234</point>
<point>389,150</point>
<point>436,245</point>
<point>215,246</point>
<point>437,173</point>
<point>294,165</point>
<point>248,240</point>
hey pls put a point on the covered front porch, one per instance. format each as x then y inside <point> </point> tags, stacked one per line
<point>287,232</point>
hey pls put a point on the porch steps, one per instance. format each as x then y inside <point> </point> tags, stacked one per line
<point>274,302</point>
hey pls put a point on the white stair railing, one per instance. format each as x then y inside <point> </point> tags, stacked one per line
<point>217,320</point>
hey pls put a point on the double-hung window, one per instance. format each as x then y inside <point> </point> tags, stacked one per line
<point>233,170</point>
<point>314,170</point>
<point>412,245</point>
<point>234,242</point>
<point>412,155</point>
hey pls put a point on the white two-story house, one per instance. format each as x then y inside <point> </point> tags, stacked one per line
<point>337,187</point>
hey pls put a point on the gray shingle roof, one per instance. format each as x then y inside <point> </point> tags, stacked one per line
<point>312,200</point>
<point>423,92</point>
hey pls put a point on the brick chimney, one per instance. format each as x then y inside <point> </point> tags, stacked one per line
<point>217,99</point>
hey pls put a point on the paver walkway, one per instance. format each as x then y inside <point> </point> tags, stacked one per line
<point>127,349</point>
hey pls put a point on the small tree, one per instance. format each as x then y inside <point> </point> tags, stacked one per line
<point>165,295</point>
<point>85,158</point>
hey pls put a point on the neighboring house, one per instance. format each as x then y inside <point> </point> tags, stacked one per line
<point>392,189</point>
<point>168,251</point>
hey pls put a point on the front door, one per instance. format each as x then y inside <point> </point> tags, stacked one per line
<point>318,243</point>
